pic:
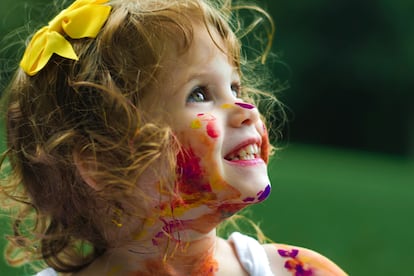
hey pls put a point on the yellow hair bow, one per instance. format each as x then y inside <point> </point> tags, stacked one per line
<point>84,18</point>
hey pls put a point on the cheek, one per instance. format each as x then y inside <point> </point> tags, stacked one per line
<point>201,184</point>
<point>202,135</point>
<point>191,174</point>
<point>198,167</point>
<point>212,130</point>
<point>199,142</point>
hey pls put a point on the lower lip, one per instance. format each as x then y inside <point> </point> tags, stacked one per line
<point>246,163</point>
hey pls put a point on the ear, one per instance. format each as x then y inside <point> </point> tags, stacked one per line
<point>86,167</point>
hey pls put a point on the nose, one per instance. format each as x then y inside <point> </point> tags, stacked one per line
<point>243,114</point>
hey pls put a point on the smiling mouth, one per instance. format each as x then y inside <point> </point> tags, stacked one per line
<point>249,152</point>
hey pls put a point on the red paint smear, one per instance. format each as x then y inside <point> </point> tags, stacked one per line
<point>265,149</point>
<point>211,130</point>
<point>190,174</point>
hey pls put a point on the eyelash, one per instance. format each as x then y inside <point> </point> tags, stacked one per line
<point>205,94</point>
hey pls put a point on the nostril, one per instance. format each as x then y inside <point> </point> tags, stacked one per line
<point>247,122</point>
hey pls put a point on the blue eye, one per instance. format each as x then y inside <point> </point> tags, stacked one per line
<point>236,90</point>
<point>198,95</point>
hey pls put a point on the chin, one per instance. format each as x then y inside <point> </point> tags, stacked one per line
<point>258,195</point>
<point>254,191</point>
<point>252,183</point>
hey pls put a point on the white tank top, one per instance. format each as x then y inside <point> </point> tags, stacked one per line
<point>251,255</point>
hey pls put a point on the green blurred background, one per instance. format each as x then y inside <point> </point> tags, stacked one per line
<point>343,182</point>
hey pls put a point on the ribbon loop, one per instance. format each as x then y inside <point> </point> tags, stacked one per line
<point>82,19</point>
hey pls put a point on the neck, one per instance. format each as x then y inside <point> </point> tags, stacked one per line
<point>194,257</point>
<point>178,238</point>
<point>177,243</point>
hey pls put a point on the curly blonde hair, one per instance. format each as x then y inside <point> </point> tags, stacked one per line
<point>91,110</point>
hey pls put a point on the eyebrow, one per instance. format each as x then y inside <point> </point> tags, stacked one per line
<point>234,73</point>
<point>192,76</point>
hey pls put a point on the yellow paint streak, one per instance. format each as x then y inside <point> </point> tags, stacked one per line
<point>195,124</point>
<point>226,106</point>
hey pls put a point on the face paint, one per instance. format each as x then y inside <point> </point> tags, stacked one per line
<point>265,150</point>
<point>195,184</point>
<point>212,130</point>
<point>262,195</point>
<point>226,106</point>
<point>245,105</point>
<point>249,199</point>
<point>191,174</point>
<point>195,124</point>
<point>201,201</point>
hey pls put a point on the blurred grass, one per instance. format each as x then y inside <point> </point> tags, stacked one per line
<point>350,206</point>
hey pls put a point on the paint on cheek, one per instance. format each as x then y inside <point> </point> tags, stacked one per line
<point>265,148</point>
<point>226,106</point>
<point>212,130</point>
<point>191,174</point>
<point>196,124</point>
<point>245,105</point>
<point>262,195</point>
<point>206,117</point>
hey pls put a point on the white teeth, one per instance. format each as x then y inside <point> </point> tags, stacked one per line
<point>249,152</point>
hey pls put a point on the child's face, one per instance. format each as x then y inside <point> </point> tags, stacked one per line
<point>225,142</point>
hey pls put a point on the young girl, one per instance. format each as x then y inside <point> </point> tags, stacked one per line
<point>132,135</point>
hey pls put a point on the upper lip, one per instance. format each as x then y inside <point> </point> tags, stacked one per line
<point>243,144</point>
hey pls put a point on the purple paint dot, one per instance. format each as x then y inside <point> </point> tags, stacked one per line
<point>286,253</point>
<point>245,105</point>
<point>283,253</point>
<point>248,199</point>
<point>264,194</point>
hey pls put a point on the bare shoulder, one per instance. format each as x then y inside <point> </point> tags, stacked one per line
<point>294,260</point>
